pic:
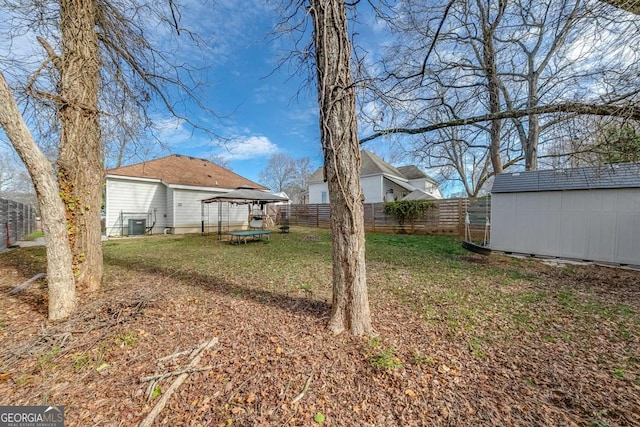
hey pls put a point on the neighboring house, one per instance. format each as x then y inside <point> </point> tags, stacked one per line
<point>380,182</point>
<point>163,196</point>
<point>590,213</point>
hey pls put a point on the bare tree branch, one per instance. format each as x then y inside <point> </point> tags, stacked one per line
<point>630,112</point>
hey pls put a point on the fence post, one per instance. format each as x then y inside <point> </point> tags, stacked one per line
<point>373,217</point>
<point>460,217</point>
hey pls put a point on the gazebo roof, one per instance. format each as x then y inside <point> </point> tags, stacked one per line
<point>246,195</point>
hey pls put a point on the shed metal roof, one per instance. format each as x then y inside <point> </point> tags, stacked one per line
<point>623,175</point>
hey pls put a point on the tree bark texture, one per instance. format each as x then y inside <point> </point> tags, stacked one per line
<point>339,135</point>
<point>80,169</point>
<point>493,81</point>
<point>60,280</point>
<point>533,134</point>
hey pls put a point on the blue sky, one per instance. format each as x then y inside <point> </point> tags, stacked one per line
<point>267,108</point>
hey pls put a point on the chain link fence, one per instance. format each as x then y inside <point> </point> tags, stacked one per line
<point>17,220</point>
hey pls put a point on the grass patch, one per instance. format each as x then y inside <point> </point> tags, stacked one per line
<point>128,338</point>
<point>386,359</point>
<point>34,235</point>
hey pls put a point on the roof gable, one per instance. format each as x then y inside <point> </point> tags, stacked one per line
<point>414,172</point>
<point>374,165</point>
<point>317,176</point>
<point>624,175</point>
<point>177,169</point>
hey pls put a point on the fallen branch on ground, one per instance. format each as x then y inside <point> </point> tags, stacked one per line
<point>174,373</point>
<point>179,353</point>
<point>27,283</point>
<point>304,390</point>
<point>196,355</point>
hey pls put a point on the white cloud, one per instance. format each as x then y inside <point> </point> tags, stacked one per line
<point>243,148</point>
<point>171,130</point>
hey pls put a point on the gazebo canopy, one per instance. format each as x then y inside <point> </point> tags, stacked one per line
<point>246,195</point>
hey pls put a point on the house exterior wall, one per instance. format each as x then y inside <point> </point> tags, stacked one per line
<point>189,212</point>
<point>134,199</point>
<point>177,210</point>
<point>234,217</point>
<point>371,188</point>
<point>171,218</point>
<point>315,192</point>
<point>598,225</point>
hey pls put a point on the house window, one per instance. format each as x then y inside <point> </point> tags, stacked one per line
<point>324,197</point>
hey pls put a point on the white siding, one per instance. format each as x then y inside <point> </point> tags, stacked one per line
<point>233,217</point>
<point>315,192</point>
<point>170,209</point>
<point>176,209</point>
<point>189,212</point>
<point>372,189</point>
<point>128,199</point>
<point>598,225</point>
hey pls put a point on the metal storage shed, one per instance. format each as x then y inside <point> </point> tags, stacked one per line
<point>588,213</point>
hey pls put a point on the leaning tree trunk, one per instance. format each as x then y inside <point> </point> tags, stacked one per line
<point>60,282</point>
<point>339,134</point>
<point>81,172</point>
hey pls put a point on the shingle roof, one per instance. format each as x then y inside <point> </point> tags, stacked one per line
<point>418,194</point>
<point>414,172</point>
<point>374,165</point>
<point>624,175</point>
<point>317,176</point>
<point>184,170</point>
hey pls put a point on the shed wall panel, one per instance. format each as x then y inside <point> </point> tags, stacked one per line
<point>598,225</point>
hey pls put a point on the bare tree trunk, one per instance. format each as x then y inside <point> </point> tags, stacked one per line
<point>81,172</point>
<point>62,294</point>
<point>339,134</point>
<point>533,134</point>
<point>493,82</point>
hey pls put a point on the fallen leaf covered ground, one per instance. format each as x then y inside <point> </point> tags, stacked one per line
<point>463,340</point>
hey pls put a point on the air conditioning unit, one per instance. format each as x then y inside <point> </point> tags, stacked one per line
<point>137,227</point>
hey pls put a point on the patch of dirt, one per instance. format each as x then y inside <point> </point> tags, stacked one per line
<point>275,364</point>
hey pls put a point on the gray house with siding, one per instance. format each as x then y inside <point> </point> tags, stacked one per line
<point>163,196</point>
<point>380,182</point>
<point>590,213</point>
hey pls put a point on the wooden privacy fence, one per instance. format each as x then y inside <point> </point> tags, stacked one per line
<point>446,216</point>
<point>17,220</point>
